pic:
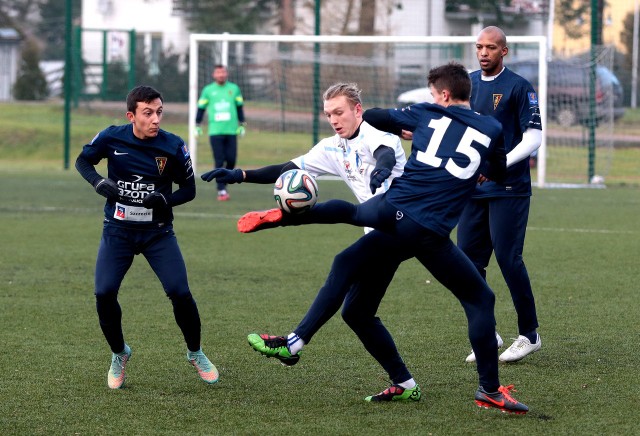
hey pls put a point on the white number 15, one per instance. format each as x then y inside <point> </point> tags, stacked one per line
<point>464,147</point>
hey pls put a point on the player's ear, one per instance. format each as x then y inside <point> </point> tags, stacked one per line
<point>130,116</point>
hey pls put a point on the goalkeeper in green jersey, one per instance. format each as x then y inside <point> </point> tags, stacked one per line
<point>223,102</point>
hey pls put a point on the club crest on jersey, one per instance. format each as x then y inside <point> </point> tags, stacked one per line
<point>496,100</point>
<point>347,166</point>
<point>120,212</point>
<point>161,162</point>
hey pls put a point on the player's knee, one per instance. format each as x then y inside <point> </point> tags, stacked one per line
<point>180,296</point>
<point>509,261</point>
<point>349,315</point>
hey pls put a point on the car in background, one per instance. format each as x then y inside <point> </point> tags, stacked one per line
<point>413,96</point>
<point>568,91</point>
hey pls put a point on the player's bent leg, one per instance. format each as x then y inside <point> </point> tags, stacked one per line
<point>273,346</point>
<point>363,299</point>
<point>330,212</point>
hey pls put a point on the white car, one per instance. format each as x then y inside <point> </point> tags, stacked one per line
<point>418,95</point>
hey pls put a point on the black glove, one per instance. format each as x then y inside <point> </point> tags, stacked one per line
<point>107,188</point>
<point>378,177</point>
<point>223,175</point>
<point>155,200</point>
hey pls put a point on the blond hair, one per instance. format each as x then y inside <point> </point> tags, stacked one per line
<point>348,90</point>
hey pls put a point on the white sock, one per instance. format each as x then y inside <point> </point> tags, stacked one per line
<point>409,384</point>
<point>294,343</point>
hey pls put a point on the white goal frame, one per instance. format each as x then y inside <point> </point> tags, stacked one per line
<point>225,38</point>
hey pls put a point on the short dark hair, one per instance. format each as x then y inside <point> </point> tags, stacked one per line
<point>145,94</point>
<point>452,77</point>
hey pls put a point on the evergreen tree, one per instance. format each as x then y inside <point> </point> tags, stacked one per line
<point>31,83</point>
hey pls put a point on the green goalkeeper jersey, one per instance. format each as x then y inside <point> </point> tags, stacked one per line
<point>221,103</point>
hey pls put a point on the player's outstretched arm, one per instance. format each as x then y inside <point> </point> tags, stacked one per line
<point>223,175</point>
<point>268,174</point>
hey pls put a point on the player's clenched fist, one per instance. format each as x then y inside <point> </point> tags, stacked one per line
<point>378,177</point>
<point>155,200</point>
<point>107,188</point>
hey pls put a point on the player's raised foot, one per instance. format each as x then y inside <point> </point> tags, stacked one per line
<point>223,196</point>
<point>501,400</point>
<point>273,346</point>
<point>254,221</point>
<point>206,370</point>
<point>115,377</point>
<point>397,393</point>
<point>472,357</point>
<point>521,348</point>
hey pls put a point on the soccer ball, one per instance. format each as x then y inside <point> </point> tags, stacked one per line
<point>295,191</point>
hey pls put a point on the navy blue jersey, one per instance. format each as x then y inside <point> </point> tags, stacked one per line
<point>449,146</point>
<point>511,100</point>
<point>139,167</point>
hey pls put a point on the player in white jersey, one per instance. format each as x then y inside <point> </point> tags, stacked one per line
<point>367,159</point>
<point>353,160</point>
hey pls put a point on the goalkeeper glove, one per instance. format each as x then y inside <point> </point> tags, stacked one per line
<point>378,177</point>
<point>223,175</point>
<point>107,188</point>
<point>197,131</point>
<point>240,131</point>
<point>155,200</point>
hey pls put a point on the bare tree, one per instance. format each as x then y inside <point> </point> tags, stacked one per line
<point>20,15</point>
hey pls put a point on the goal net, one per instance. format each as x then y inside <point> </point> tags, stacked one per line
<point>282,78</point>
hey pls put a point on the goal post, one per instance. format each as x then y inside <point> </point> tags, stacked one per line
<point>279,71</point>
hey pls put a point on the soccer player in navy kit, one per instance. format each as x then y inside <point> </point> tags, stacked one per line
<point>143,162</point>
<point>452,146</point>
<point>495,220</point>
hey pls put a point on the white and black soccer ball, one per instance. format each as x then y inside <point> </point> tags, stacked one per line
<point>295,191</point>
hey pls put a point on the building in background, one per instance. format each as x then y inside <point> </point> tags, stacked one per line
<point>9,61</point>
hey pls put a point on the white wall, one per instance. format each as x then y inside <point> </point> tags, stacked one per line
<point>146,17</point>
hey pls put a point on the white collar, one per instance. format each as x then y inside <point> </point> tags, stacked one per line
<point>490,78</point>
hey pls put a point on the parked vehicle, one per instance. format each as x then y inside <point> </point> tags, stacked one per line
<point>567,91</point>
<point>418,95</point>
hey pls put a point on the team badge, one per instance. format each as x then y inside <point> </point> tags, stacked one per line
<point>120,212</point>
<point>185,150</point>
<point>533,99</point>
<point>161,162</point>
<point>496,100</point>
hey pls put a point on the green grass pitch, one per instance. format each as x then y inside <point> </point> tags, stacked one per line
<point>582,252</point>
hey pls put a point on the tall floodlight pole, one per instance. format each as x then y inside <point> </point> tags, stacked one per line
<point>67,81</point>
<point>634,56</point>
